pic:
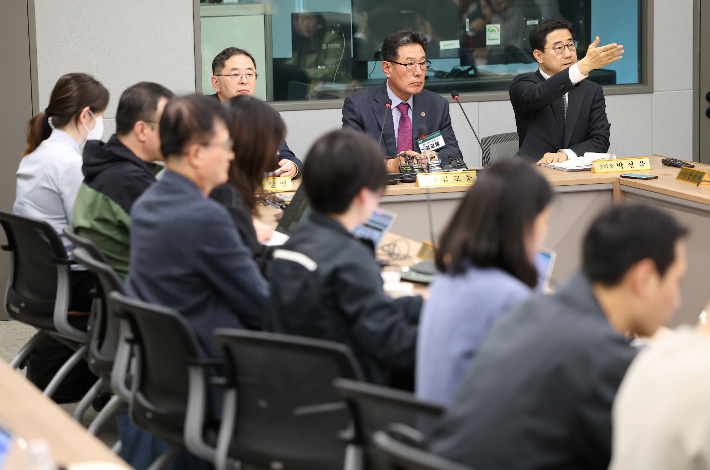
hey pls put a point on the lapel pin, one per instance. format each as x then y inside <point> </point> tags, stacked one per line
<point>423,114</point>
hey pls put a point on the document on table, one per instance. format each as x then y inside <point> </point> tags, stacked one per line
<point>581,163</point>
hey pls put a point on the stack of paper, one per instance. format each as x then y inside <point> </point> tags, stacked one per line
<point>580,163</point>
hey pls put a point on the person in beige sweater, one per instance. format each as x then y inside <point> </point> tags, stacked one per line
<point>661,414</point>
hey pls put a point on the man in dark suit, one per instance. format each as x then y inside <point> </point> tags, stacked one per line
<point>559,114</point>
<point>234,73</point>
<point>539,392</point>
<point>413,108</point>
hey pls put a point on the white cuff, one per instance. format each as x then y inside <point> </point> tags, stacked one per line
<point>569,152</point>
<point>575,75</point>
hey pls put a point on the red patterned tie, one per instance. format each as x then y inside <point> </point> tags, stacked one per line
<point>404,133</point>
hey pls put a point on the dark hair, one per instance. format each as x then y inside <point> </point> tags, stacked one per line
<point>392,43</point>
<point>338,166</point>
<point>490,226</point>
<point>187,120</point>
<point>538,37</point>
<point>626,234</point>
<point>72,93</point>
<point>257,130</point>
<point>139,103</point>
<point>225,55</point>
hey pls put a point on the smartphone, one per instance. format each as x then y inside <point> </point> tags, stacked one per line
<point>637,176</point>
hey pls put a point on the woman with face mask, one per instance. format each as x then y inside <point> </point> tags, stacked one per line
<point>47,184</point>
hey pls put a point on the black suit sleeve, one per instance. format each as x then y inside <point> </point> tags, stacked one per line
<point>599,128</point>
<point>528,97</point>
<point>351,115</point>
<point>447,132</point>
<point>285,152</point>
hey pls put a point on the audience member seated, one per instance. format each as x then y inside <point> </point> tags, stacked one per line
<point>539,392</point>
<point>486,256</point>
<point>48,180</point>
<point>186,252</point>
<point>234,74</point>
<point>257,131</point>
<point>660,417</point>
<point>326,284</point>
<point>117,172</point>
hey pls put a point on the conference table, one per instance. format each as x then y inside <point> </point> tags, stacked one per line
<point>579,197</point>
<point>30,415</point>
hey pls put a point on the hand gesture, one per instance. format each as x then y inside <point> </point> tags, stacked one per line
<point>598,57</point>
<point>553,158</point>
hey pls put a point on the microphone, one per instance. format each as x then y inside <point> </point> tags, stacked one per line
<point>388,105</point>
<point>455,96</point>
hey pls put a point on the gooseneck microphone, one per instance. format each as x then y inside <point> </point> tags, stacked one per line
<point>455,96</point>
<point>388,105</point>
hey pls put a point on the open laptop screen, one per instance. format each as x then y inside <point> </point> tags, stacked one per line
<point>375,228</point>
<point>544,262</point>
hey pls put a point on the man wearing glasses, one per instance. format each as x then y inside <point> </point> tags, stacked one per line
<point>559,114</point>
<point>234,73</point>
<point>414,109</point>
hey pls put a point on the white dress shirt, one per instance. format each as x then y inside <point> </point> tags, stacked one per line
<point>575,77</point>
<point>396,113</point>
<point>48,181</point>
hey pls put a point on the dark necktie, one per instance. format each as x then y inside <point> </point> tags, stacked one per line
<point>404,132</point>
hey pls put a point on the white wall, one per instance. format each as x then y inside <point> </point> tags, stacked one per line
<point>119,42</point>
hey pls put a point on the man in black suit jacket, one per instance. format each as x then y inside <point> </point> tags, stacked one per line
<point>234,73</point>
<point>539,392</point>
<point>405,66</point>
<point>559,114</point>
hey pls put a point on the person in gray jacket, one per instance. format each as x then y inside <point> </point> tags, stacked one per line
<point>539,392</point>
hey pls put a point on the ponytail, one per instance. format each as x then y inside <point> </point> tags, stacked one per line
<point>38,130</point>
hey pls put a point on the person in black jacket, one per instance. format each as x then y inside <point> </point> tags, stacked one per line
<point>325,283</point>
<point>257,131</point>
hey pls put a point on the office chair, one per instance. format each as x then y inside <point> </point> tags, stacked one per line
<point>399,455</point>
<point>38,290</point>
<point>280,410</point>
<point>498,147</point>
<point>375,407</point>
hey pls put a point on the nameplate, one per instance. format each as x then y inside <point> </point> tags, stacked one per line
<point>282,183</point>
<point>621,164</point>
<point>690,175</point>
<point>463,178</point>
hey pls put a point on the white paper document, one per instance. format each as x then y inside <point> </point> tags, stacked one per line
<point>581,163</point>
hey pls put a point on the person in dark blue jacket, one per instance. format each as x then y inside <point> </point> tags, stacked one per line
<point>326,283</point>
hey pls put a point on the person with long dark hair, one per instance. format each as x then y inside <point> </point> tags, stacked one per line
<point>486,258</point>
<point>257,131</point>
<point>48,181</point>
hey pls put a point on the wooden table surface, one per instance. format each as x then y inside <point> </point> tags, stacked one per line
<point>30,415</point>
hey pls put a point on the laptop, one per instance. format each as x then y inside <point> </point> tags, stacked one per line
<point>544,262</point>
<point>371,232</point>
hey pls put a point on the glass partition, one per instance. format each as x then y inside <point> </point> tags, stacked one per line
<point>327,49</point>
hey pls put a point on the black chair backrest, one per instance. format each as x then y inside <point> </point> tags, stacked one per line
<point>36,251</point>
<point>400,456</point>
<point>375,407</point>
<point>87,245</point>
<point>106,326</point>
<point>288,414</point>
<point>165,344</point>
<point>498,147</point>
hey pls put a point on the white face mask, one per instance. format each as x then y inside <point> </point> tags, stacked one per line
<point>98,131</point>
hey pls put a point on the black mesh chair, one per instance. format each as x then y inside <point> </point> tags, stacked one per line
<point>499,147</point>
<point>288,415</point>
<point>374,407</point>
<point>87,245</point>
<point>38,290</point>
<point>169,389</point>
<point>400,455</point>
<point>106,328</point>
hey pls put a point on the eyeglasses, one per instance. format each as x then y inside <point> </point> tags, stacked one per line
<point>228,145</point>
<point>410,65</point>
<point>237,77</point>
<point>560,48</point>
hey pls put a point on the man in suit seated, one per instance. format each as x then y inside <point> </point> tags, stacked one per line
<point>559,114</point>
<point>413,108</point>
<point>539,392</point>
<point>234,73</point>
